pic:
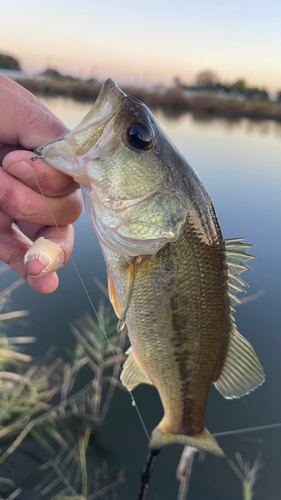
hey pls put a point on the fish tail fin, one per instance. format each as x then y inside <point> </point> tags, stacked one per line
<point>203,441</point>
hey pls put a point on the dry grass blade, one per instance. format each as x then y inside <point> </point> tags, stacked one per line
<point>4,268</point>
<point>88,350</point>
<point>11,288</point>
<point>110,487</point>
<point>17,340</point>
<point>14,494</point>
<point>15,376</point>
<point>13,315</point>
<point>251,298</point>
<point>83,462</point>
<point>65,385</point>
<point>184,469</point>
<point>6,353</point>
<point>101,286</point>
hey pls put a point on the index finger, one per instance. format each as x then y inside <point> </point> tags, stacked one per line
<point>51,181</point>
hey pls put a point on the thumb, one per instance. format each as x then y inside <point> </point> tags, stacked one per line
<point>25,123</point>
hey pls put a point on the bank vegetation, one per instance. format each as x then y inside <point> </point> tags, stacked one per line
<point>171,100</point>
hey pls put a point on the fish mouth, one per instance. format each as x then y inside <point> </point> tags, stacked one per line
<point>64,154</point>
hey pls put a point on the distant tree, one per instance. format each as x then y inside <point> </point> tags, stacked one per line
<point>240,84</point>
<point>278,96</point>
<point>56,75</point>
<point>177,81</point>
<point>256,94</point>
<point>9,62</point>
<point>51,73</point>
<point>92,81</point>
<point>206,79</point>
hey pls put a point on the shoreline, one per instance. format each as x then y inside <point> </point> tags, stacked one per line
<point>173,101</point>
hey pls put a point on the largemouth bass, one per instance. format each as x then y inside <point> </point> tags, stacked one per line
<point>172,277</point>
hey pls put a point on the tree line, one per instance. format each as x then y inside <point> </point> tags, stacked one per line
<point>206,81</point>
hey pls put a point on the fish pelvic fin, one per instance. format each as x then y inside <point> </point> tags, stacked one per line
<point>133,374</point>
<point>203,441</point>
<point>242,371</point>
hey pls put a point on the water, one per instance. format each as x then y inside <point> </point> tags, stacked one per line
<point>239,163</point>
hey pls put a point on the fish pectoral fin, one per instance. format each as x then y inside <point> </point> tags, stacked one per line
<point>242,371</point>
<point>132,373</point>
<point>204,441</point>
<point>131,274</point>
<point>113,296</point>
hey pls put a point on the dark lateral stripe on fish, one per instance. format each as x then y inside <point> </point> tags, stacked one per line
<point>181,355</point>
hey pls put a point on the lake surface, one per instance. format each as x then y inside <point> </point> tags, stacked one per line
<point>240,165</point>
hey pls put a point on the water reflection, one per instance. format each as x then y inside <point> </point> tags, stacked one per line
<point>239,162</point>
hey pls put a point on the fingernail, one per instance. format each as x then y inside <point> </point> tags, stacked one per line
<point>22,170</point>
<point>43,257</point>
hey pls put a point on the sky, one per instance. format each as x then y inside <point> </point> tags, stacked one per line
<point>147,42</point>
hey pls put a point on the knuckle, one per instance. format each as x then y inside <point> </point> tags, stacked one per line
<point>7,200</point>
<point>75,207</point>
<point>15,202</point>
<point>32,115</point>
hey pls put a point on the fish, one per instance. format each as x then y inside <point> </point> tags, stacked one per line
<point>172,278</point>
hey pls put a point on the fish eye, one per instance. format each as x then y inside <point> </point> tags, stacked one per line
<point>140,136</point>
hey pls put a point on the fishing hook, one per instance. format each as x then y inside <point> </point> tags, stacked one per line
<point>39,151</point>
<point>36,157</point>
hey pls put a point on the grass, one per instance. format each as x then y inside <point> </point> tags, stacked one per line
<point>247,474</point>
<point>43,402</point>
<point>46,403</point>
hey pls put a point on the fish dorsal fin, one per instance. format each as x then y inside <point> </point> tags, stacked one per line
<point>236,257</point>
<point>132,373</point>
<point>242,371</point>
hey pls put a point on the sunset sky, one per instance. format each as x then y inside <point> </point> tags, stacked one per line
<point>144,42</point>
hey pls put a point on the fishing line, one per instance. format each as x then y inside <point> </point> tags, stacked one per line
<point>247,429</point>
<point>134,403</point>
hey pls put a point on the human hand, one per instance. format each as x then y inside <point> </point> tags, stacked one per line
<point>25,123</point>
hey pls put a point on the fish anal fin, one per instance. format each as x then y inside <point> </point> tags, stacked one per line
<point>113,296</point>
<point>132,374</point>
<point>204,441</point>
<point>242,371</point>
